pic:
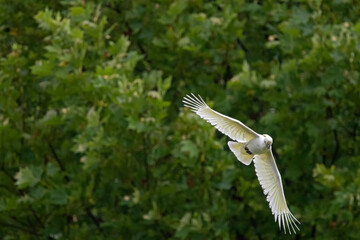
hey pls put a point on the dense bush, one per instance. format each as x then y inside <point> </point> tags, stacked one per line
<point>95,142</point>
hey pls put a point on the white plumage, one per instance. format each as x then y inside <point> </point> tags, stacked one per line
<point>251,146</point>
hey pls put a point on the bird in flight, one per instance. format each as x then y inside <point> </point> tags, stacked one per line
<point>250,146</point>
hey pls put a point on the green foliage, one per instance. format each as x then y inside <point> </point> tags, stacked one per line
<point>95,143</point>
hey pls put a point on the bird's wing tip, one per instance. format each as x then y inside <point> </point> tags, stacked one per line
<point>194,102</point>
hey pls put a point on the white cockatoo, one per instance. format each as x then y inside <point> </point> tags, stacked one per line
<point>250,146</point>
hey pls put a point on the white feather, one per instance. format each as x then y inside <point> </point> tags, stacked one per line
<point>270,180</point>
<point>265,166</point>
<point>228,126</point>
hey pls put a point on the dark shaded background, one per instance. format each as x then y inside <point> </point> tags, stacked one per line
<point>95,143</point>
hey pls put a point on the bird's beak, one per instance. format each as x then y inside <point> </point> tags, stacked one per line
<point>268,145</point>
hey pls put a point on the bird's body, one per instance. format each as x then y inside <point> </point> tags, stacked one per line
<point>250,146</point>
<point>258,145</point>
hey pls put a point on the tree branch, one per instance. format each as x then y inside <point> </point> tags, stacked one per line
<point>61,165</point>
<point>244,48</point>
<point>337,146</point>
<point>313,231</point>
<point>94,219</point>
<point>37,217</point>
<point>146,163</point>
<point>20,228</point>
<point>57,159</point>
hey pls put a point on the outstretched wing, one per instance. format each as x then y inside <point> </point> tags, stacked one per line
<point>270,180</point>
<point>227,125</point>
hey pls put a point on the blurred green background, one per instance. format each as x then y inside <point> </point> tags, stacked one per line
<point>95,142</point>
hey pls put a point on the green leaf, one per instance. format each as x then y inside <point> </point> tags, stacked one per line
<point>89,161</point>
<point>58,196</point>
<point>77,11</point>
<point>52,169</point>
<point>38,192</point>
<point>138,125</point>
<point>120,47</point>
<point>77,33</point>
<point>228,177</point>
<point>43,68</point>
<point>177,7</point>
<point>26,178</point>
<point>190,148</point>
<point>183,229</point>
<point>93,118</point>
<point>51,118</point>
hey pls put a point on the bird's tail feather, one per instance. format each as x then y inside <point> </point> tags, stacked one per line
<point>238,148</point>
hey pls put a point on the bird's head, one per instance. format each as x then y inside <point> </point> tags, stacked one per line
<point>268,141</point>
